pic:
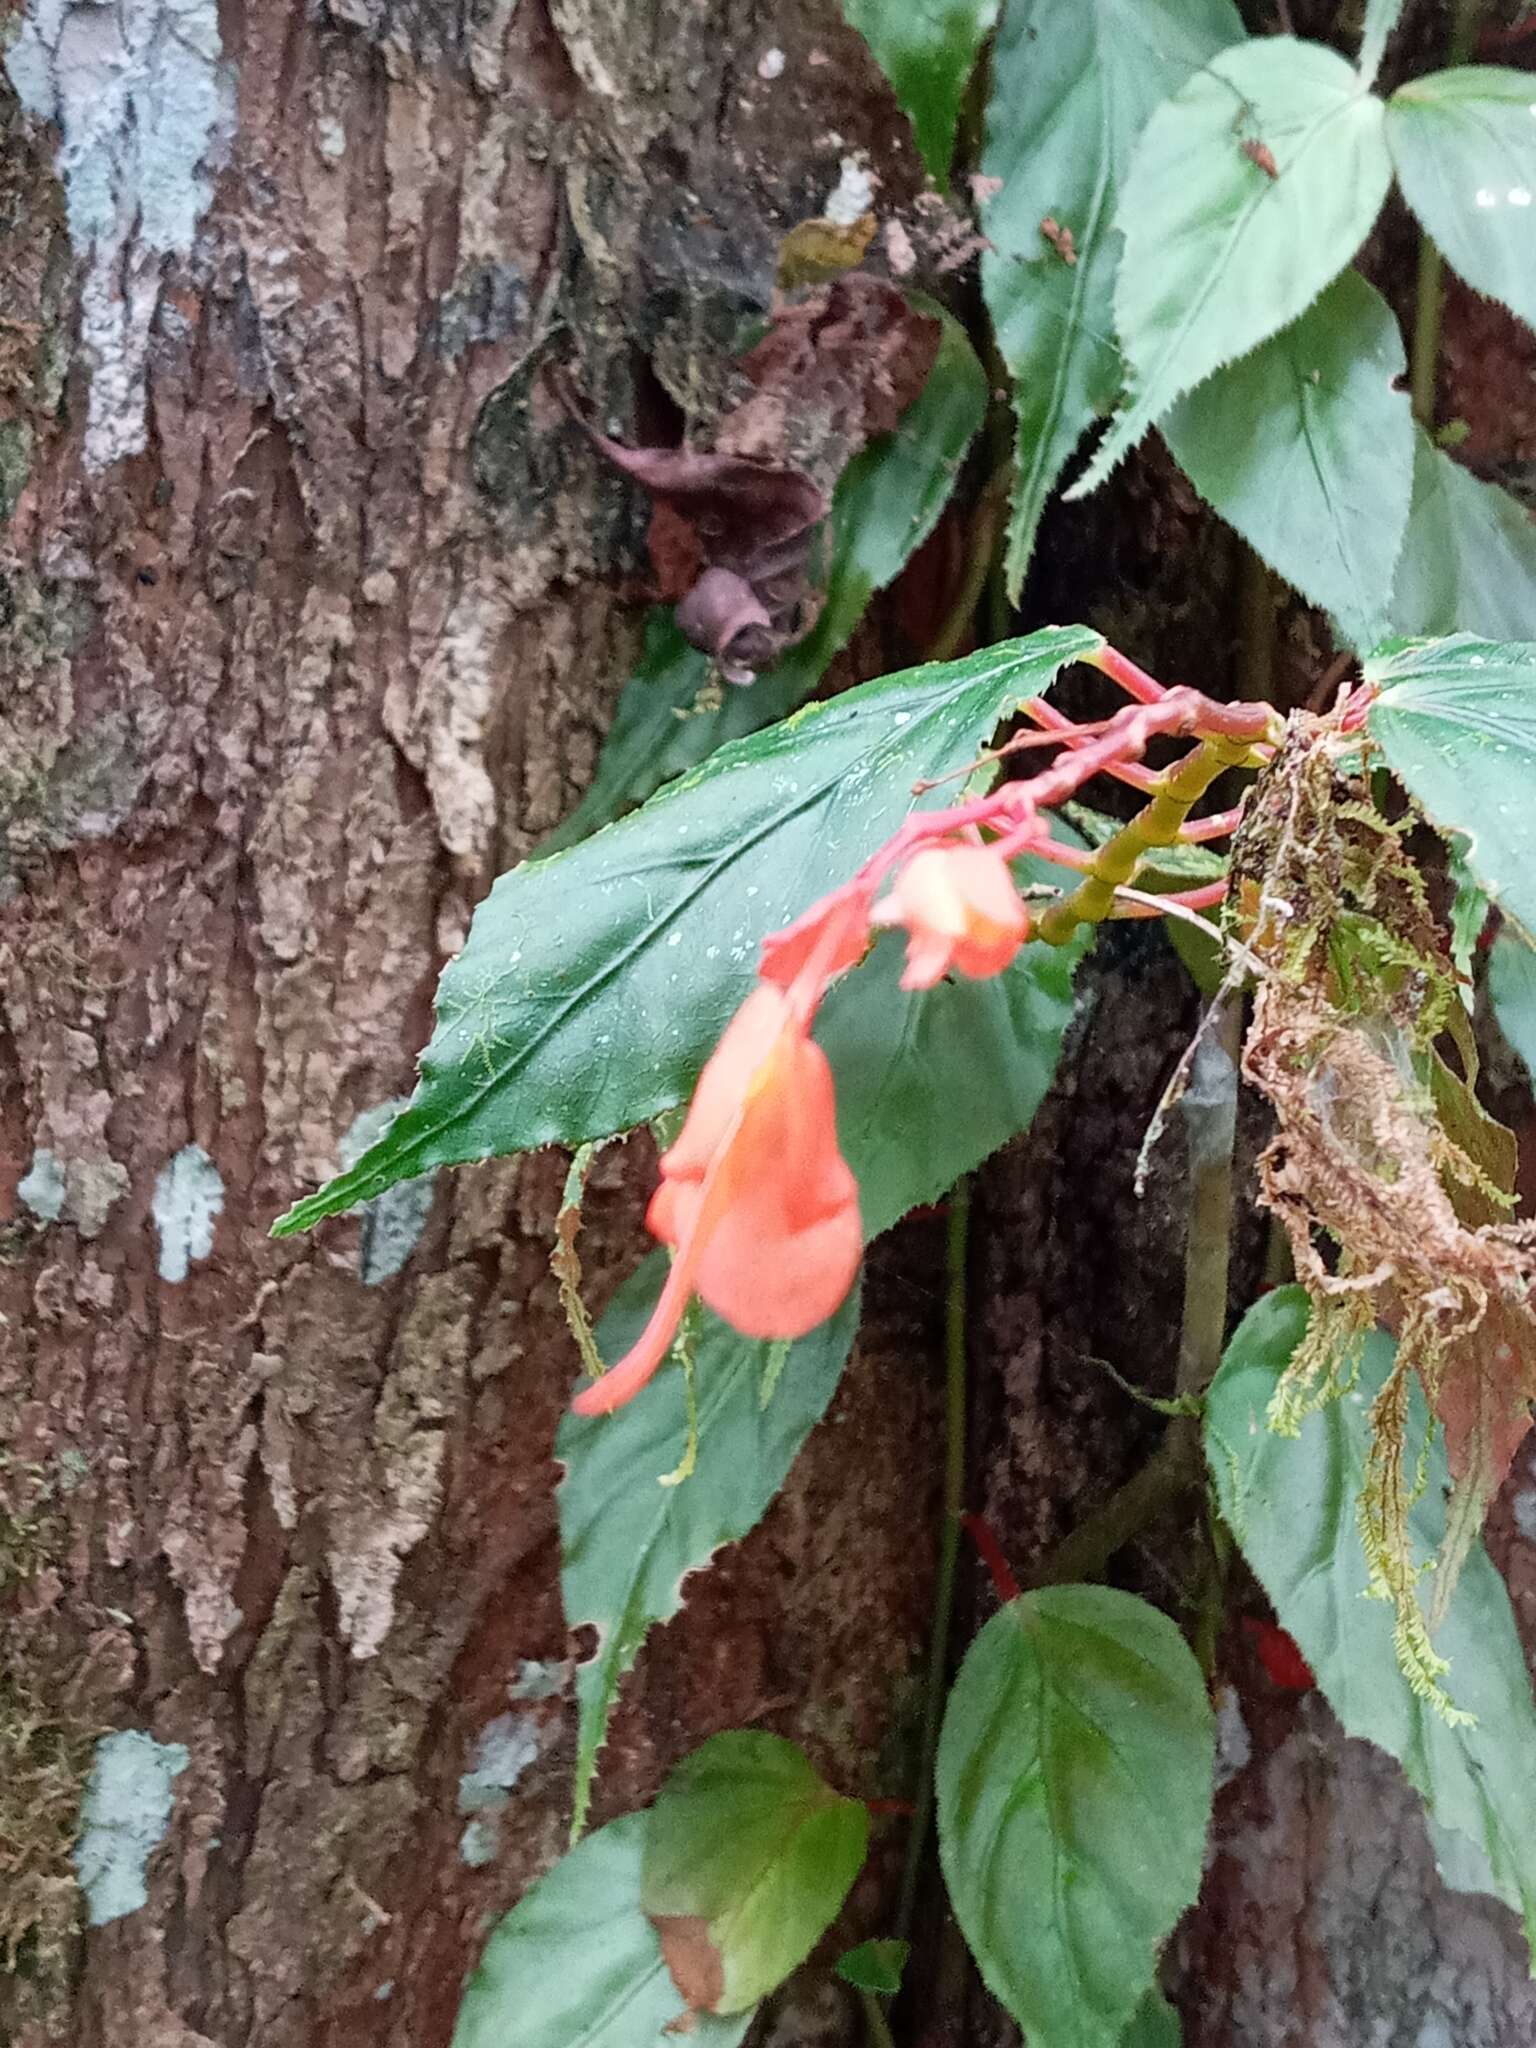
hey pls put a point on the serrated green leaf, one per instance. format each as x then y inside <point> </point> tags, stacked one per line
<point>627,1544</point>
<point>1073,82</point>
<point>927,49</point>
<point>875,1966</point>
<point>1291,1504</point>
<point>1464,143</point>
<point>1468,563</point>
<point>594,983</point>
<point>748,1837</point>
<point>1219,253</point>
<point>1456,720</point>
<point>1306,447</point>
<point>576,1964</point>
<point>1156,2025</point>
<point>1074,1787</point>
<point>886,504</point>
<point>1380,19</point>
<point>1512,992</point>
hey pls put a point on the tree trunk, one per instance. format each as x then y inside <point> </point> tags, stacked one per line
<point>315,612</point>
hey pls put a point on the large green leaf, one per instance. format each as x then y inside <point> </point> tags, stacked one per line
<point>1074,1788</point>
<point>885,505</point>
<point>746,1836</point>
<point>1306,447</point>
<point>594,983</point>
<point>1073,82</point>
<point>628,1543</point>
<point>1468,563</point>
<point>927,49</point>
<point>1512,992</point>
<point>1456,720</point>
<point>576,1964</point>
<point>1291,1505</point>
<point>1221,251</point>
<point>1464,143</point>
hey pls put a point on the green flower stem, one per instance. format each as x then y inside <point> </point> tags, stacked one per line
<point>957,1251</point>
<point>1256,630</point>
<point>1117,860</point>
<point>1429,290</point>
<point>1175,1466</point>
<point>877,2026</point>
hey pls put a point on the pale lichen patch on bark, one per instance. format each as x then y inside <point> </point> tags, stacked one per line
<point>123,1819</point>
<point>141,94</point>
<point>188,1201</point>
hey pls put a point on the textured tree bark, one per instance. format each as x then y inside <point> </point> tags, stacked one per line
<point>315,609</point>
<point>315,615</point>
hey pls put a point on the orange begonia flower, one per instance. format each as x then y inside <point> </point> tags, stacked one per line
<point>960,909</point>
<point>823,942</point>
<point>755,1196</point>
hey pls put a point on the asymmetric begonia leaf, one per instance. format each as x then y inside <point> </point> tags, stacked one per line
<point>1248,193</point>
<point>594,983</point>
<point>1306,447</point>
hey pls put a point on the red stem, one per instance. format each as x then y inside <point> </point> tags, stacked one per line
<point>990,1551</point>
<point>1133,680</point>
<point>1203,898</point>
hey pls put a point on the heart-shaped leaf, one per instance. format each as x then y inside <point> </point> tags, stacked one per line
<point>746,1837</point>
<point>1074,1787</point>
<point>1073,82</point>
<point>1464,143</point>
<point>1306,447</point>
<point>628,1543</point>
<point>1456,720</point>
<point>1291,1503</point>
<point>1248,193</point>
<point>577,1961</point>
<point>593,984</point>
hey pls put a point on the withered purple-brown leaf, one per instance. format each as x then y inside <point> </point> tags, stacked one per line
<point>733,530</point>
